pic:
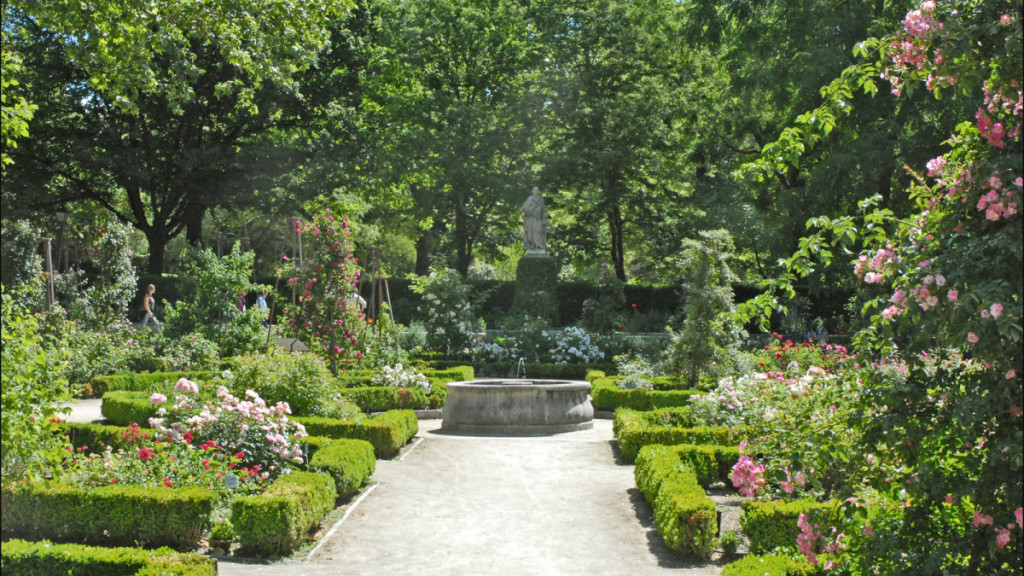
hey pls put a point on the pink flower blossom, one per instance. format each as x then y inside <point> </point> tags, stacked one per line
<point>953,294</point>
<point>157,398</point>
<point>1003,538</point>
<point>981,519</point>
<point>1011,374</point>
<point>1005,20</point>
<point>949,498</point>
<point>972,337</point>
<point>1019,514</point>
<point>788,487</point>
<point>996,310</point>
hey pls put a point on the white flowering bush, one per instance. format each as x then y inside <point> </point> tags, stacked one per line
<point>399,377</point>
<point>447,311</point>
<point>500,350</point>
<point>573,345</point>
<point>257,434</point>
<point>758,397</point>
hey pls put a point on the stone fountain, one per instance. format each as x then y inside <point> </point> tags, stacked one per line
<point>517,407</point>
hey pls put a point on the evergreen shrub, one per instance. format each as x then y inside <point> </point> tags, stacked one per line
<point>608,396</point>
<point>277,521</point>
<point>387,432</point>
<point>44,558</point>
<point>350,462</point>
<point>773,524</point>
<point>686,518</point>
<point>109,515</point>
<point>634,430</point>
<point>771,565</point>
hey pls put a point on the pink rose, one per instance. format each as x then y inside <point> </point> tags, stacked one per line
<point>972,337</point>
<point>1003,538</point>
<point>996,310</point>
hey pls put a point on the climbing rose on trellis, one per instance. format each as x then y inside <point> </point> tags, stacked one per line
<point>328,316</point>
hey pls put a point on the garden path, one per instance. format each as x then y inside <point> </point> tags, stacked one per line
<point>460,505</point>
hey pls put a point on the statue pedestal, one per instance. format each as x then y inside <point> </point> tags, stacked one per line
<point>536,285</point>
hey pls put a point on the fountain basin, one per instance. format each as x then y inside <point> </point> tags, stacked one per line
<point>517,407</point>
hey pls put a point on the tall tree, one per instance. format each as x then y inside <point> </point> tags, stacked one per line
<point>453,93</point>
<point>613,76</point>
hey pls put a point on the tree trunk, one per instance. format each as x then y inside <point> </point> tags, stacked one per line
<point>423,245</point>
<point>615,226</point>
<point>463,241</point>
<point>194,224</point>
<point>157,238</point>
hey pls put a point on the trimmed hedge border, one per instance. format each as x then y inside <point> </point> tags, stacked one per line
<point>686,517</point>
<point>144,381</point>
<point>350,462</point>
<point>634,430</point>
<point>47,559</point>
<point>509,369</point>
<point>126,407</point>
<point>387,432</point>
<point>608,396</point>
<point>97,436</point>
<point>769,525</point>
<point>771,565</point>
<point>109,515</point>
<point>277,521</point>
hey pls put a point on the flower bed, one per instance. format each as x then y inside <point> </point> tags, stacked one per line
<point>47,559</point>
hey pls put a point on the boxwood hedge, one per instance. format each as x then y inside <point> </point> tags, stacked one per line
<point>608,396</point>
<point>47,559</point>
<point>387,432</point>
<point>277,521</point>
<point>771,565</point>
<point>109,515</point>
<point>769,525</point>
<point>686,518</point>
<point>350,462</point>
<point>634,430</point>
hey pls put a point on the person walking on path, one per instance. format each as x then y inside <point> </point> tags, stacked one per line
<point>149,307</point>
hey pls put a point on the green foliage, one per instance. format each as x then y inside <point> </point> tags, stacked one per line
<point>31,390</point>
<point>101,300</point>
<point>536,287</point>
<point>277,521</point>
<point>729,542</point>
<point>145,382</point>
<point>94,437</point>
<point>708,341</point>
<point>603,313</point>
<point>190,352</point>
<point>304,381</point>
<point>16,110</point>
<point>349,461</point>
<point>608,396</point>
<point>447,310</point>
<point>96,353</point>
<point>771,565</point>
<point>45,558</point>
<point>21,267</point>
<point>210,297</point>
<point>770,525</point>
<point>328,316</point>
<point>685,516</point>
<point>634,430</point>
<point>387,432</point>
<point>124,408</point>
<point>110,515</point>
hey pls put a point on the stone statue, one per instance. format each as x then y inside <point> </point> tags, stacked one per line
<point>535,224</point>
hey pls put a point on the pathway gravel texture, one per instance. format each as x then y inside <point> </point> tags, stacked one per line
<point>463,505</point>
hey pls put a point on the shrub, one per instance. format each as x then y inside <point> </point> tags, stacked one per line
<point>124,408</point>
<point>350,462</point>
<point>608,396</point>
<point>447,310</point>
<point>387,432</point>
<point>770,525</point>
<point>303,381</point>
<point>110,515</point>
<point>47,559</point>
<point>145,382</point>
<point>686,518</point>
<point>31,387</point>
<point>277,521</point>
<point>634,430</point>
<point>771,565</point>
<point>94,437</point>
